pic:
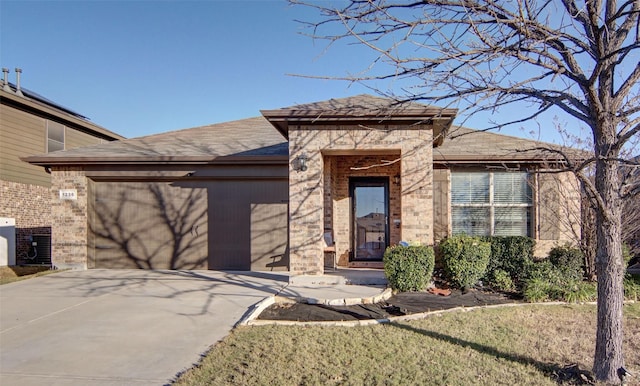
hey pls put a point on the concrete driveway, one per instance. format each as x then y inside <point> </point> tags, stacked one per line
<point>115,327</point>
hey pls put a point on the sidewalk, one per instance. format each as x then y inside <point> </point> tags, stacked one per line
<point>336,287</point>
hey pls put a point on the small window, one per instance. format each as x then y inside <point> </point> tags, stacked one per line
<point>491,203</point>
<point>55,136</point>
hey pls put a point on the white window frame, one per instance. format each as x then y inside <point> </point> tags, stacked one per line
<point>492,204</point>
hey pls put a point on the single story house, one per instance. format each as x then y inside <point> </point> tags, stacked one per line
<point>272,192</point>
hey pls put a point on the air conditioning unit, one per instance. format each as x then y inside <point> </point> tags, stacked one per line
<point>43,244</point>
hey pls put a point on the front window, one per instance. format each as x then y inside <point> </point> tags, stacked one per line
<point>491,203</point>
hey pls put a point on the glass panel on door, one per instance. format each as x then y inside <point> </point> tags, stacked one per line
<point>370,207</point>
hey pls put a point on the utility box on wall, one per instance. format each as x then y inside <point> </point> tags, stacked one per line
<point>7,241</point>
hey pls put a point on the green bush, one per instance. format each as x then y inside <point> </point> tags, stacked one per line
<point>537,290</point>
<point>409,268</point>
<point>545,281</point>
<point>578,291</point>
<point>626,254</point>
<point>512,254</point>
<point>632,287</point>
<point>569,260</point>
<point>500,280</point>
<point>465,259</point>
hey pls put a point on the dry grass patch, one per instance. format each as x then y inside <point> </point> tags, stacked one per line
<point>17,273</point>
<point>527,345</point>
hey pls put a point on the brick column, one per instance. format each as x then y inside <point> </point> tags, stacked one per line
<point>70,219</point>
<point>306,207</point>
<point>417,186</point>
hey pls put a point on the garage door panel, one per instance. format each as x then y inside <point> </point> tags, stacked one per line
<point>269,235</point>
<point>149,225</point>
<point>249,221</point>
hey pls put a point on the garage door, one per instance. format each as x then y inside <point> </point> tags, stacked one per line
<point>149,225</point>
<point>248,222</point>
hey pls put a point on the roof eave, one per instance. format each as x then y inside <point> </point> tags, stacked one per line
<point>281,119</point>
<point>224,160</point>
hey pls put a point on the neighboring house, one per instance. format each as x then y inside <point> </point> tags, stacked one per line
<point>261,193</point>
<point>31,124</point>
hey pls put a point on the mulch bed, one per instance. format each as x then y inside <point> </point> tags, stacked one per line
<point>404,303</point>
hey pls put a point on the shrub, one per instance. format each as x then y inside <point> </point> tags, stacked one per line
<point>578,291</point>
<point>409,268</point>
<point>632,287</point>
<point>537,290</point>
<point>501,280</point>
<point>465,259</point>
<point>545,281</point>
<point>569,260</point>
<point>512,254</point>
<point>626,254</point>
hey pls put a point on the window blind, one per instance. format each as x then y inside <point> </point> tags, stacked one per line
<point>486,203</point>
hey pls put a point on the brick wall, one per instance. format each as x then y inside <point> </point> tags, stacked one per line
<point>322,145</point>
<point>30,206</point>
<point>70,230</point>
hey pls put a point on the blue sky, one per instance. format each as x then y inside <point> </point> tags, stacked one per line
<point>143,67</point>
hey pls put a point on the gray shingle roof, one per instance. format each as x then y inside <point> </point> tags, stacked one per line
<point>255,139</point>
<point>469,146</point>
<point>252,137</point>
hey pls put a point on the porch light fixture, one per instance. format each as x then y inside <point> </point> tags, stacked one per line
<point>300,163</point>
<point>396,179</point>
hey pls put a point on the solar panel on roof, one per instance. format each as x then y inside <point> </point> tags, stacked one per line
<point>34,95</point>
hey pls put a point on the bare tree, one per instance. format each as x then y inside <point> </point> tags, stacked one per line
<point>576,57</point>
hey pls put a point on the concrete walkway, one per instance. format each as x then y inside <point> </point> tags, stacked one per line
<point>114,327</point>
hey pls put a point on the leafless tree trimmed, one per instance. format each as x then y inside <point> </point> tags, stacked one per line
<point>579,58</point>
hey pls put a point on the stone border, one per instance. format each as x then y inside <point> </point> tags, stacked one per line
<point>252,320</point>
<point>251,316</point>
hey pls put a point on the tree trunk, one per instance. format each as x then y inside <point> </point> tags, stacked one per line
<point>609,268</point>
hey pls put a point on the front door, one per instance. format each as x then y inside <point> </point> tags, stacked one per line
<point>369,217</point>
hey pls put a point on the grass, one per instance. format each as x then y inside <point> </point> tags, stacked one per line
<point>529,345</point>
<point>16,273</point>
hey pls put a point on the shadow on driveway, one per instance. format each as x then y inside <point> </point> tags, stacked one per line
<point>108,327</point>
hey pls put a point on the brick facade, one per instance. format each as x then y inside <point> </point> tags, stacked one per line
<point>29,205</point>
<point>318,197</point>
<point>70,232</point>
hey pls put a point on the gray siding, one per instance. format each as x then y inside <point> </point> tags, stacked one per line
<point>23,134</point>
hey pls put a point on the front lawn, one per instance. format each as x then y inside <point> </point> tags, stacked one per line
<point>526,345</point>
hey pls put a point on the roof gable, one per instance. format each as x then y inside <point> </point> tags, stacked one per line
<point>358,108</point>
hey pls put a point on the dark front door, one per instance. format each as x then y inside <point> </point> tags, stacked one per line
<point>369,217</point>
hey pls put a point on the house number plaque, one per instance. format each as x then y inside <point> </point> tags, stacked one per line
<point>68,194</point>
